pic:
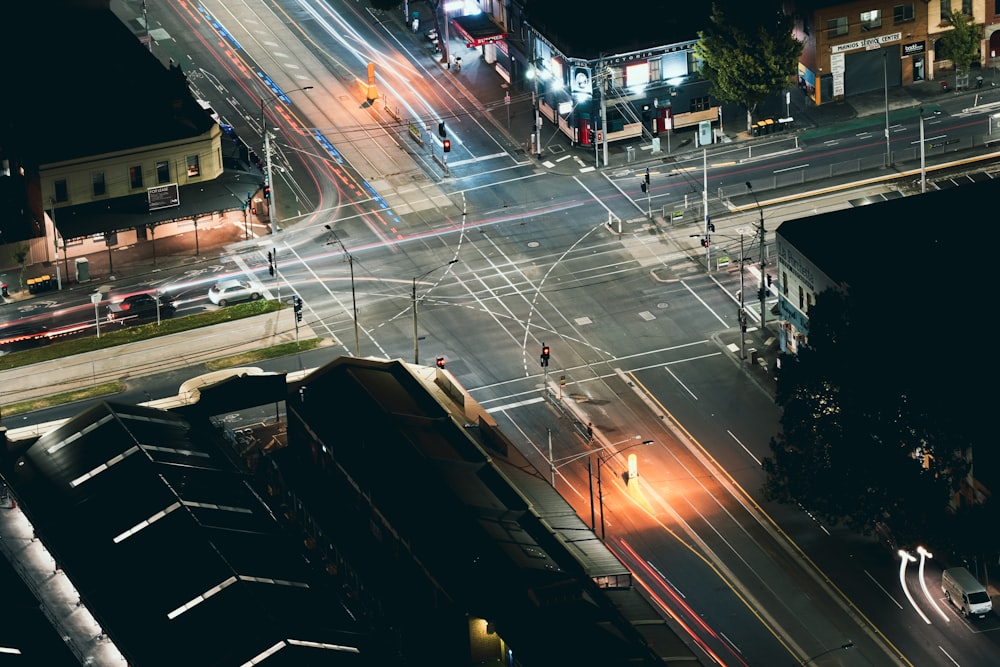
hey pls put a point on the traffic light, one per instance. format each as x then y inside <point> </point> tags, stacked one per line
<point>440,362</point>
<point>447,145</point>
<point>705,243</point>
<point>768,279</point>
<point>270,262</point>
<point>644,186</point>
<point>711,225</point>
<point>647,175</point>
<point>267,191</point>
<point>441,131</point>
<point>297,305</point>
<point>546,353</point>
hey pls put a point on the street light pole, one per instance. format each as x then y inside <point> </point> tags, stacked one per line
<point>923,163</point>
<point>885,84</point>
<point>601,460</point>
<point>272,208</point>
<point>413,300</point>
<point>742,316</point>
<point>843,647</point>
<point>763,262</point>
<point>354,301</point>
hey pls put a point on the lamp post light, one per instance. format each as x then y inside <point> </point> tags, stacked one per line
<point>354,301</point>
<point>413,301</point>
<point>533,73</point>
<point>923,157</point>
<point>885,84</point>
<point>272,208</point>
<point>601,460</point>
<point>742,314</point>
<point>843,647</point>
<point>95,299</point>
<point>763,262</point>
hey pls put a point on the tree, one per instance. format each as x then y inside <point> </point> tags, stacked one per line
<point>862,438</point>
<point>961,43</point>
<point>748,54</point>
<point>20,255</point>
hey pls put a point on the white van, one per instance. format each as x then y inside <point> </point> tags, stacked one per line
<point>965,592</point>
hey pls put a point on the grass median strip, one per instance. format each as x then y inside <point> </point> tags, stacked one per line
<point>113,335</point>
<point>248,358</point>
<point>43,402</point>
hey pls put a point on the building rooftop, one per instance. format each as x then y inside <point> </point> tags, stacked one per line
<point>484,525</point>
<point>591,31</point>
<point>920,271</point>
<point>172,550</point>
<point>64,106</point>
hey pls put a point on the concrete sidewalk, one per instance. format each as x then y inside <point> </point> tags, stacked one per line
<point>156,355</point>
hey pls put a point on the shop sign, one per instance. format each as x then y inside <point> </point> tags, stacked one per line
<point>872,43</point>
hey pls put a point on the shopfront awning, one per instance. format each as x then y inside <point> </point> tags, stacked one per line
<point>228,192</point>
<point>478,29</point>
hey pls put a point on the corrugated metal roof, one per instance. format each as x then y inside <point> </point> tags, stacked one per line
<point>168,544</point>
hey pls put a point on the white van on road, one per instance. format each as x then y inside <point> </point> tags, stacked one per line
<point>965,592</point>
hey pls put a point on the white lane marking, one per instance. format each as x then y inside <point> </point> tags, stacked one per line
<point>744,448</point>
<point>887,593</point>
<point>519,404</point>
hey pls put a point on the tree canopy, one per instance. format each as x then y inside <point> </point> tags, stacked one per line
<point>748,52</point>
<point>869,435</point>
<point>961,43</point>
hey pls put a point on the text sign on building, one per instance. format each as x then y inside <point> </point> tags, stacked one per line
<point>872,43</point>
<point>913,49</point>
<point>163,196</point>
<point>837,69</point>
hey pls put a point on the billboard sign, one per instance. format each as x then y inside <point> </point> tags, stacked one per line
<point>163,196</point>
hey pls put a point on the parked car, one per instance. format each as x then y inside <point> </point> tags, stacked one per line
<point>230,291</point>
<point>140,307</point>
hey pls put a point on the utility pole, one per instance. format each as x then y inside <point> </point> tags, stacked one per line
<point>885,84</point>
<point>354,300</point>
<point>271,209</point>
<point>763,262</point>
<point>742,315</point>
<point>704,205</point>
<point>923,157</point>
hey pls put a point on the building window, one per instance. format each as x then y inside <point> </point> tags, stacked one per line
<point>701,104</point>
<point>163,172</point>
<point>903,13</point>
<point>802,299</point>
<point>835,27</point>
<point>135,177</point>
<point>62,192</point>
<point>945,10</point>
<point>967,7</point>
<point>193,168</point>
<point>871,20</point>
<point>784,283</point>
<point>98,180</point>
